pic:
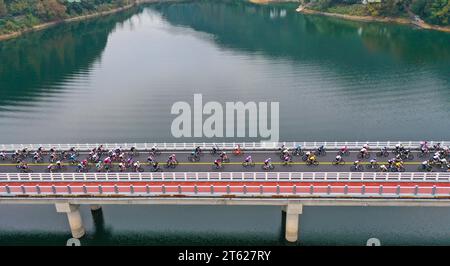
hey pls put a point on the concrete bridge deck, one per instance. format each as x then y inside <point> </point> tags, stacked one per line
<point>235,165</point>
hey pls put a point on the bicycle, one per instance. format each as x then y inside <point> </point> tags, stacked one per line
<point>217,167</point>
<point>382,153</point>
<point>171,164</point>
<point>194,158</point>
<point>312,163</point>
<point>363,155</point>
<point>321,152</point>
<point>344,153</point>
<point>373,166</point>
<point>248,164</point>
<point>215,151</point>
<point>298,152</point>
<point>357,168</point>
<point>268,166</point>
<point>427,168</point>
<point>337,163</point>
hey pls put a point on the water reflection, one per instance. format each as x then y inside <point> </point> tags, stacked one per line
<point>38,64</point>
<point>278,30</point>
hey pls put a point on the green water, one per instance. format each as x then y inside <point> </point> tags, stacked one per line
<point>115,78</point>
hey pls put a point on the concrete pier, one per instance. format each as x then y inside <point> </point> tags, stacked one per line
<point>95,207</point>
<point>74,217</point>
<point>292,214</point>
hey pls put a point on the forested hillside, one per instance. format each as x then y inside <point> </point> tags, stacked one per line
<point>432,11</point>
<point>16,15</point>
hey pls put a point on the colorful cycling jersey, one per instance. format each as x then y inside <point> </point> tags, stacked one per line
<point>248,159</point>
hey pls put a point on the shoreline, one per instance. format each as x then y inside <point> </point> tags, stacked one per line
<point>300,9</point>
<point>46,25</point>
<point>403,21</point>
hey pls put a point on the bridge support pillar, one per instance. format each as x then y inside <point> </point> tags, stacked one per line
<point>95,207</point>
<point>292,213</point>
<point>74,217</point>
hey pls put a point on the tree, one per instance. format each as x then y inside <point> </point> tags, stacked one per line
<point>3,10</point>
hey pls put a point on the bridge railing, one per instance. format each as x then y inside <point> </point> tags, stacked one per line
<point>230,177</point>
<point>223,145</point>
<point>229,190</point>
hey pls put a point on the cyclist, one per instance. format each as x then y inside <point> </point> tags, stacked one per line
<point>195,154</point>
<point>50,167</point>
<point>443,162</point>
<point>425,165</point>
<point>95,157</point>
<point>383,168</point>
<point>80,167</point>
<point>248,159</point>
<point>363,152</point>
<point>215,149</point>
<point>172,158</point>
<point>267,163</point>
<point>311,158</point>
<point>53,157</point>
<point>129,162</point>
<point>122,167</point>
<point>307,155</point>
<point>287,159</point>
<point>154,148</point>
<point>155,166</point>
<point>36,157</point>
<point>338,159</point>
<point>343,150</point>
<point>399,148</point>
<point>137,166</point>
<point>356,164</point>
<point>58,165</point>
<point>150,159</point>
<point>218,163</point>
<point>107,160</point>
<point>237,150</point>
<point>321,149</point>
<point>3,156</point>
<point>99,166</point>
<point>298,149</point>
<point>223,156</point>
<point>198,150</point>
<point>73,157</point>
<point>398,165</point>
<point>285,152</point>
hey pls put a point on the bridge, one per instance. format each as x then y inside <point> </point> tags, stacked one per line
<point>291,187</point>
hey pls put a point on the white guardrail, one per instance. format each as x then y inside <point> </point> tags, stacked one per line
<point>224,145</point>
<point>229,177</point>
<point>233,190</point>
